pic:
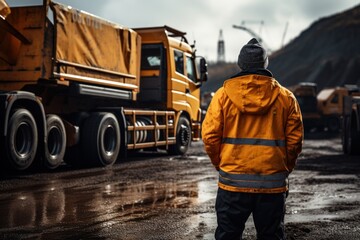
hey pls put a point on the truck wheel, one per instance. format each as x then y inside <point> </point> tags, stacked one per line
<point>55,142</point>
<point>100,139</point>
<point>353,139</point>
<point>183,137</point>
<point>333,124</point>
<point>22,140</point>
<point>350,145</point>
<point>345,135</point>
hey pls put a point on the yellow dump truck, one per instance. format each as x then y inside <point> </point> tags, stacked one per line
<point>323,110</point>
<point>79,88</point>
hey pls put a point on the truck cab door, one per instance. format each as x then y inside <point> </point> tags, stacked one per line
<point>185,88</point>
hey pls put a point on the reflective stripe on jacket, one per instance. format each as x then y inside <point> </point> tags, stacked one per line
<point>277,180</point>
<point>253,133</point>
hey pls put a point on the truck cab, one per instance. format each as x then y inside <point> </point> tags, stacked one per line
<point>330,102</point>
<point>170,75</point>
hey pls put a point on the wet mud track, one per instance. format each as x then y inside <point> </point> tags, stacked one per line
<point>160,197</point>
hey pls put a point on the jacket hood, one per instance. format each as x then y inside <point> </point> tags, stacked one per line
<point>252,93</point>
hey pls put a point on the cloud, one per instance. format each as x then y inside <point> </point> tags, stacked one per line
<point>203,19</point>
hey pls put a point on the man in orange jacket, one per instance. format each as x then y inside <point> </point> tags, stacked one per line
<point>253,134</point>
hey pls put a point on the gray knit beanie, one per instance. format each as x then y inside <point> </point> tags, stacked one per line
<point>252,55</point>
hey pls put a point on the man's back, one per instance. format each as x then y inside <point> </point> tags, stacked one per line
<point>250,116</point>
<point>253,135</point>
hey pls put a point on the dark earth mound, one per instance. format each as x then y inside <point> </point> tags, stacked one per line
<point>327,53</point>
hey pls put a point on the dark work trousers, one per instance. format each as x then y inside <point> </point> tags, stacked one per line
<point>234,208</point>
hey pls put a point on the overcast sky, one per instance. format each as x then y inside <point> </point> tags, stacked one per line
<point>203,19</point>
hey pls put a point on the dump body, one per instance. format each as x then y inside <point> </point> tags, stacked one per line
<point>83,86</point>
<point>74,48</point>
<point>25,55</point>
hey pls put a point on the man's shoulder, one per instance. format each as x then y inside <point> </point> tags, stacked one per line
<point>219,92</point>
<point>286,93</point>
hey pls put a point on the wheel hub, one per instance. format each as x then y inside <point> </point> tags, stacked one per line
<point>184,135</point>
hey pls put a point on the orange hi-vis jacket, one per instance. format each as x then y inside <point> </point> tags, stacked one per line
<point>253,134</point>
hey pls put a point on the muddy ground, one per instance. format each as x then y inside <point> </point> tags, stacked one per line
<point>154,196</point>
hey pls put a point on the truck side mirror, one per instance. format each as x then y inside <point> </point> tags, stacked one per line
<point>203,70</point>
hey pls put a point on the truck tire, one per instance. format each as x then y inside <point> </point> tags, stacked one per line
<point>183,137</point>
<point>100,139</point>
<point>333,124</point>
<point>22,140</point>
<point>353,138</point>
<point>55,143</point>
<point>345,135</point>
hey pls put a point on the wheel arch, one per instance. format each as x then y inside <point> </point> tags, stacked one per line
<point>183,114</point>
<point>30,102</point>
<point>120,115</point>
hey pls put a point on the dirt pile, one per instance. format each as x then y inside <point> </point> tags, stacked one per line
<point>327,53</point>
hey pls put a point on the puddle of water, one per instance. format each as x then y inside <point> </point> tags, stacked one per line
<point>53,205</point>
<point>298,218</point>
<point>320,206</point>
<point>206,190</point>
<point>192,158</point>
